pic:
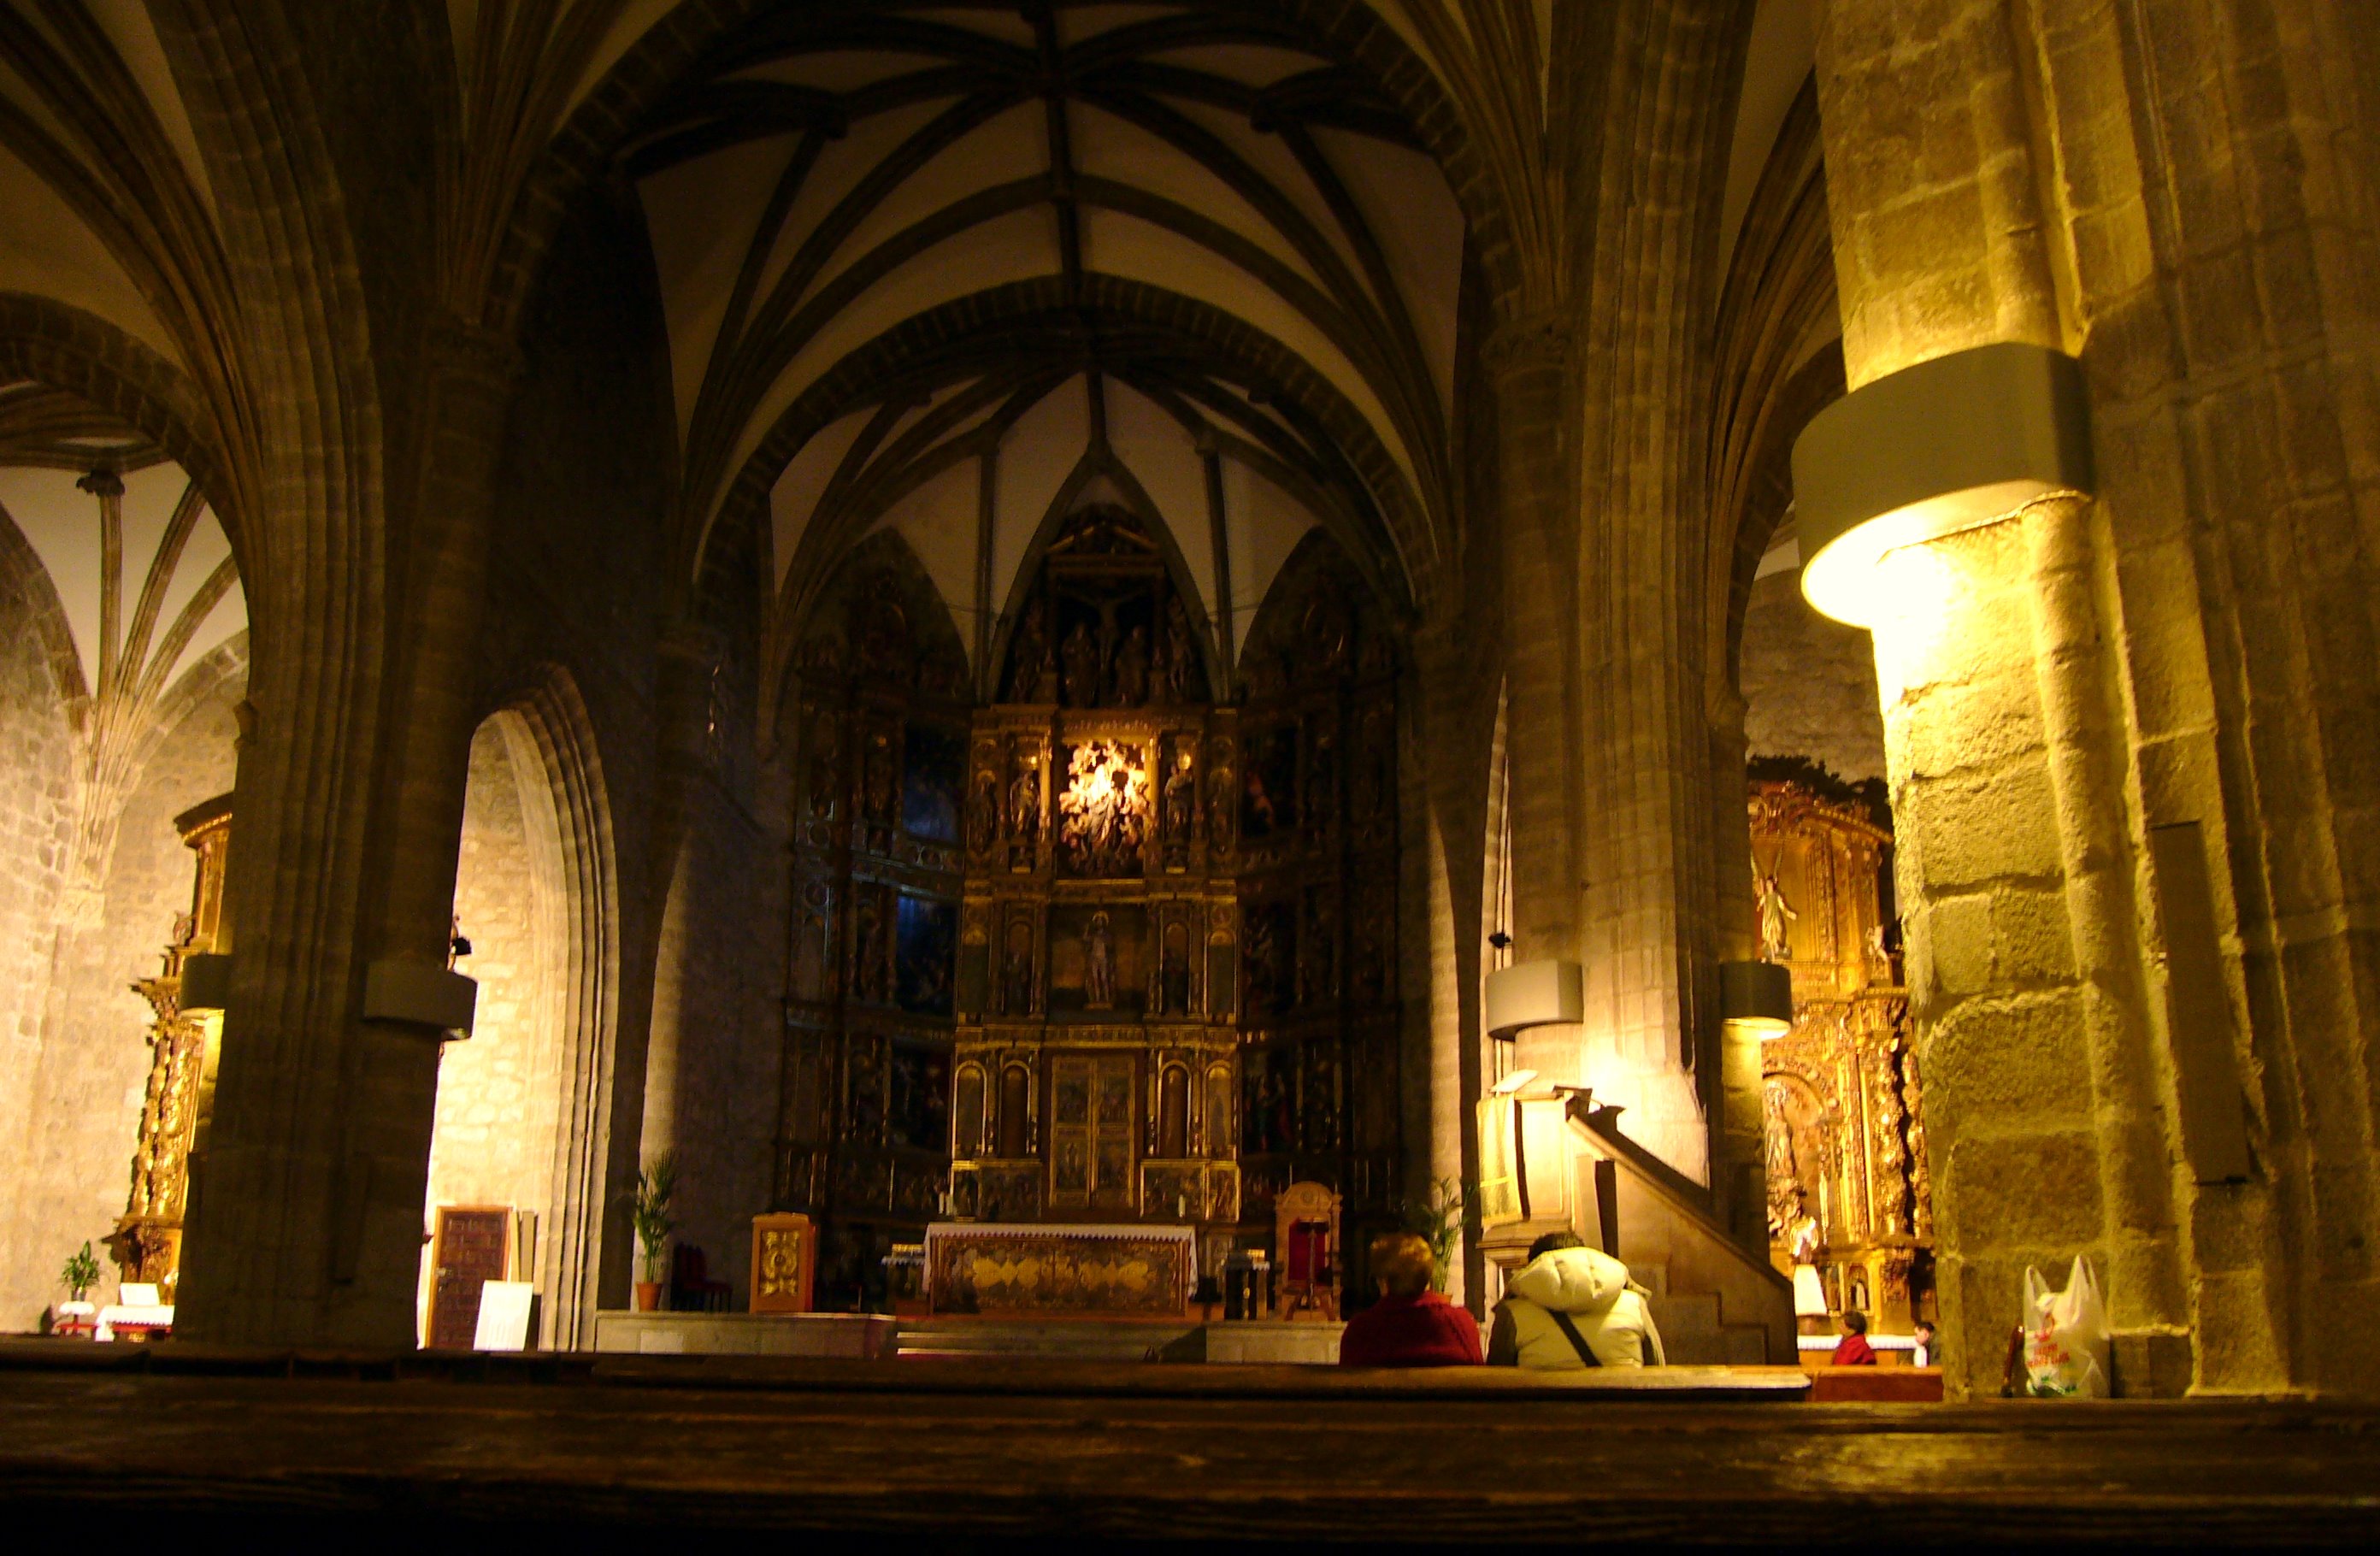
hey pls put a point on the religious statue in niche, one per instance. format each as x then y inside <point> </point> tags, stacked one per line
<point>1082,659</point>
<point>1777,915</point>
<point>872,946</point>
<point>933,760</point>
<point>1032,675</point>
<point>880,784</point>
<point>1268,792</point>
<point>1271,953</point>
<point>1098,964</point>
<point>983,811</point>
<point>1132,669</point>
<point>1173,972</point>
<point>1025,810</point>
<point>1017,975</point>
<point>1319,972</point>
<point>813,974</point>
<point>1181,654</point>
<point>1103,812</point>
<point>927,949</point>
<point>887,652</point>
<point>1271,1088</point>
<point>1180,804</point>
<point>1222,804</point>
<point>825,766</point>
<point>1322,786</point>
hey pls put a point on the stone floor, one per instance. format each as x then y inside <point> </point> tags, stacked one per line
<point>995,1451</point>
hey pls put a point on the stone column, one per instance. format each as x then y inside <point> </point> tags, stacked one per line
<point>1528,362</point>
<point>2005,739</point>
<point>1740,1183</point>
<point>306,1224</point>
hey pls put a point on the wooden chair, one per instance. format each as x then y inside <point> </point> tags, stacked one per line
<point>691,1288</point>
<point>1305,1244</point>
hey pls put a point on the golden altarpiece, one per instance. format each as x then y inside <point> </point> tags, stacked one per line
<point>1109,949</point>
<point>146,1242</point>
<point>1847,1179</point>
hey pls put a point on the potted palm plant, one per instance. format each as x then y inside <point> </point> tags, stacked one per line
<point>1438,1220</point>
<point>81,1273</point>
<point>648,1212</point>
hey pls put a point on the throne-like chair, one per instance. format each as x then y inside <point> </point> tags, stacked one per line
<point>1305,1242</point>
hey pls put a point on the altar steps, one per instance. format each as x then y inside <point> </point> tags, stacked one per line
<point>1050,1339</point>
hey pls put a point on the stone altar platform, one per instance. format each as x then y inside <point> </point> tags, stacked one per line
<point>854,1335</point>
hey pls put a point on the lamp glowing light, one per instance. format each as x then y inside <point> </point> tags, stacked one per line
<point>1946,445</point>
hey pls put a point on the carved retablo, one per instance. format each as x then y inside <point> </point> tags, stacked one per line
<point>146,1242</point>
<point>1848,1192</point>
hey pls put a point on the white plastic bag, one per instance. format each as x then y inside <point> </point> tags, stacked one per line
<point>2065,1336</point>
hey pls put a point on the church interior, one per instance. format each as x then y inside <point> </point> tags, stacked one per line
<point>932,709</point>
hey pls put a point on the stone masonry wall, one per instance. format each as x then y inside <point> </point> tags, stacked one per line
<point>73,1166</point>
<point>1809,684</point>
<point>498,1090</point>
<point>36,783</point>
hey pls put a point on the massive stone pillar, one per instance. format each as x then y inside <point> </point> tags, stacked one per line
<point>2129,738</point>
<point>306,1221</point>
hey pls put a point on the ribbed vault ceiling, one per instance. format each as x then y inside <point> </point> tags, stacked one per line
<point>901,228</point>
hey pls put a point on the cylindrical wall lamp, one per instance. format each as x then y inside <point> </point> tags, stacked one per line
<point>1946,445</point>
<point>206,983</point>
<point>1759,995</point>
<point>1533,994</point>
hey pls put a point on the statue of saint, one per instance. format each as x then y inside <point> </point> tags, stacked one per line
<point>983,811</point>
<point>883,784</point>
<point>1025,802</point>
<point>869,981</point>
<point>1181,653</point>
<point>1776,914</point>
<point>1081,657</point>
<point>1098,964</point>
<point>826,766</point>
<point>1173,976</point>
<point>1181,800</point>
<point>1019,977</point>
<point>1132,669</point>
<point>1029,660</point>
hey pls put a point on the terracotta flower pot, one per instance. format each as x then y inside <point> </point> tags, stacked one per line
<point>648,1297</point>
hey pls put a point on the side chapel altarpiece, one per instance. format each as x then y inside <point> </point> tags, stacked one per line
<point>1849,1189</point>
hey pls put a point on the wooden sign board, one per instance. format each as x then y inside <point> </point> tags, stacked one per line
<point>784,1263</point>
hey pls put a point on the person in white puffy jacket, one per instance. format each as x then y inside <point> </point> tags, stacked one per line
<point>1570,1308</point>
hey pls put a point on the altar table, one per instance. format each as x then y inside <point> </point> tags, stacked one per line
<point>1071,1271</point>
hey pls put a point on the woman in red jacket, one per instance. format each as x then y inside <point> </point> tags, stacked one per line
<point>1411,1325</point>
<point>1854,1350</point>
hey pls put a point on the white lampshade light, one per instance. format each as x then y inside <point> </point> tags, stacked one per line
<point>206,983</point>
<point>1533,994</point>
<point>1942,446</point>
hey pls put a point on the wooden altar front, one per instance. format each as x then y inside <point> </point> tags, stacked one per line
<point>1051,1271</point>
